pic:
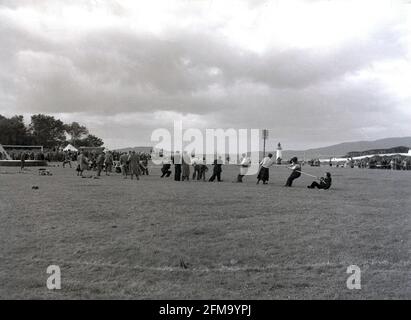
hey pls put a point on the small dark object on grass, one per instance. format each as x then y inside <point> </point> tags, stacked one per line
<point>35,187</point>
<point>183,264</point>
<point>114,226</point>
<point>44,172</point>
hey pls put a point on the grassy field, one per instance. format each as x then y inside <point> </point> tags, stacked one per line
<point>123,239</point>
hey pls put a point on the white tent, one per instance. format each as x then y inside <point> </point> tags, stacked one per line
<point>70,147</point>
<point>4,153</point>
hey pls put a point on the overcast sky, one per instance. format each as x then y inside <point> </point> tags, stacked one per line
<point>313,72</point>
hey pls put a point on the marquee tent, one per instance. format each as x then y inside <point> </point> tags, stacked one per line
<point>70,147</point>
<point>4,153</point>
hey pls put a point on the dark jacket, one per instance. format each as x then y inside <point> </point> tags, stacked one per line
<point>217,167</point>
<point>325,183</point>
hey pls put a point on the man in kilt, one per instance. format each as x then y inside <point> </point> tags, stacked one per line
<point>264,173</point>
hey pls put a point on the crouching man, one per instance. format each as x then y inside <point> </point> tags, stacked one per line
<point>325,183</point>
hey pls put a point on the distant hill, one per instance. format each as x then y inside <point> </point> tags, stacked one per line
<point>343,149</point>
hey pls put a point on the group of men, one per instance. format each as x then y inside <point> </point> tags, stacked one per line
<point>131,165</point>
<point>182,164</point>
<point>264,172</point>
<point>267,162</point>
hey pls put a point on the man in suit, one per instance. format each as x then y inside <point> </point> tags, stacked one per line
<point>134,165</point>
<point>124,164</point>
<point>82,163</point>
<point>177,166</point>
<point>217,170</point>
<point>67,159</point>
<point>22,160</point>
<point>100,163</point>
<point>108,162</point>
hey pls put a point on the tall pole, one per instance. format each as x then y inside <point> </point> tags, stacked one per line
<point>265,135</point>
<point>264,148</point>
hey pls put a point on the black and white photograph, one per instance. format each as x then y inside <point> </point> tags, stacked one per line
<point>205,150</point>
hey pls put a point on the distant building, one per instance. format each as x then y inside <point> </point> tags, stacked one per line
<point>279,156</point>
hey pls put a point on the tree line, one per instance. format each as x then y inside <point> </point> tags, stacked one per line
<point>46,131</point>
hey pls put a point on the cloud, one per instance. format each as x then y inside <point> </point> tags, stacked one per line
<point>215,65</point>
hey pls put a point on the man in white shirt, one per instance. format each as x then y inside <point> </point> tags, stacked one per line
<point>196,163</point>
<point>245,163</point>
<point>264,173</point>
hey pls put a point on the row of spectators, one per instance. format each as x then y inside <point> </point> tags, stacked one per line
<point>389,163</point>
<point>59,156</point>
<point>392,164</point>
<point>116,155</point>
<point>51,156</point>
